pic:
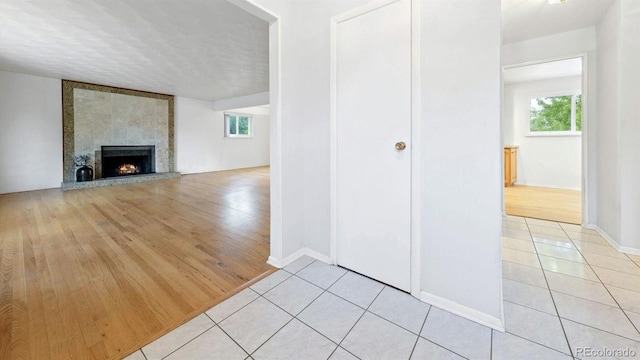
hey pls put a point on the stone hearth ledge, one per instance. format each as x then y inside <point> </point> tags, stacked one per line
<point>73,185</point>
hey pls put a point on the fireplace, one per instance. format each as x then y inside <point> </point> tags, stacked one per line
<point>128,160</point>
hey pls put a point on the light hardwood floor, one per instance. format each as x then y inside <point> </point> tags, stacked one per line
<point>97,273</point>
<point>544,203</point>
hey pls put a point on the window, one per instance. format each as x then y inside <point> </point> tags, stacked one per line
<point>560,114</point>
<point>237,125</point>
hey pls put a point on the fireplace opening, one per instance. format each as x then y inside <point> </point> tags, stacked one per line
<point>128,160</point>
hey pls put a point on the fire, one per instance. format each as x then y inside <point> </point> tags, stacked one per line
<point>125,169</point>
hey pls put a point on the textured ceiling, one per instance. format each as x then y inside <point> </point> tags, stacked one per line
<point>547,70</point>
<point>528,19</point>
<point>205,49</point>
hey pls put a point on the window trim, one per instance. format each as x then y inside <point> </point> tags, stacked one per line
<point>227,121</point>
<point>572,132</point>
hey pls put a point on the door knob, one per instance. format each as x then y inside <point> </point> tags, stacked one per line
<point>401,146</point>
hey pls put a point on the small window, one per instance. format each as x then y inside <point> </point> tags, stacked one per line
<point>560,114</point>
<point>237,125</point>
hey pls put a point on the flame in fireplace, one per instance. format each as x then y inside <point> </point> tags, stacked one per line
<point>126,169</point>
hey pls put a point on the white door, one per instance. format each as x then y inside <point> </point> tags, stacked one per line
<point>373,115</point>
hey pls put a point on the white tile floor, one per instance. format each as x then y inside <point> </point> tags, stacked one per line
<point>565,288</point>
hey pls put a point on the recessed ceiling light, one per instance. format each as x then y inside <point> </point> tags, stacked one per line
<point>555,2</point>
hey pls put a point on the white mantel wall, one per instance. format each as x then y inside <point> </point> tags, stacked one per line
<point>547,161</point>
<point>30,132</point>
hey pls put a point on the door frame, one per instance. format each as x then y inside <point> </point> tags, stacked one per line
<point>275,126</point>
<point>584,150</point>
<point>415,135</point>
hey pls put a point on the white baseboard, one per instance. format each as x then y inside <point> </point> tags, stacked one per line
<point>629,250</point>
<point>274,262</point>
<point>615,244</point>
<point>461,310</point>
<point>550,186</point>
<point>448,305</point>
<point>296,255</point>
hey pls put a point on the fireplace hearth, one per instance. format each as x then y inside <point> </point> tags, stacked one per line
<point>128,160</point>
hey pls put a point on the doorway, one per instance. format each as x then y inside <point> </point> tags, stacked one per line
<point>372,163</point>
<point>542,122</point>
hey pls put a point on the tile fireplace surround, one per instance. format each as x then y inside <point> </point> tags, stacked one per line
<point>97,115</point>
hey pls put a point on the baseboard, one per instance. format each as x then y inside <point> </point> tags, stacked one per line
<point>296,255</point>
<point>550,186</point>
<point>463,311</point>
<point>629,250</point>
<point>274,262</point>
<point>615,244</point>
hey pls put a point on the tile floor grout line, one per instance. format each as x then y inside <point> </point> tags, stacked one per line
<point>392,323</point>
<point>330,285</point>
<point>600,282</point>
<point>630,259</point>
<point>491,345</point>
<point>185,344</point>
<point>610,294</point>
<point>511,262</point>
<point>270,337</point>
<point>434,343</point>
<point>311,327</point>
<point>143,354</point>
<point>439,345</point>
<point>250,302</point>
<point>535,342</point>
<point>420,332</point>
<point>234,341</point>
<point>599,329</point>
<point>296,316</point>
<point>553,300</point>
<point>357,321</point>
<point>324,291</point>
<point>528,307</point>
<point>207,315</point>
<point>522,282</point>
<point>367,309</point>
<point>233,313</point>
<point>302,268</point>
<point>583,298</point>
<point>623,272</point>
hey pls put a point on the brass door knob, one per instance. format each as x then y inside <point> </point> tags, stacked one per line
<point>401,146</point>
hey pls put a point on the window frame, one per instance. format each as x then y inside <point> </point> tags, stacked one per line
<point>227,125</point>
<point>573,132</point>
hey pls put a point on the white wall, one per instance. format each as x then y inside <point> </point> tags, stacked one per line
<point>619,128</point>
<point>462,156</point>
<point>304,37</point>
<point>30,132</point>
<point>630,124</point>
<point>563,45</point>
<point>548,161</point>
<point>252,100</point>
<point>608,165</point>
<point>462,65</point>
<point>200,143</point>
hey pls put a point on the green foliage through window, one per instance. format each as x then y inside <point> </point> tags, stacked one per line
<point>243,126</point>
<point>233,126</point>
<point>237,125</point>
<point>556,113</point>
